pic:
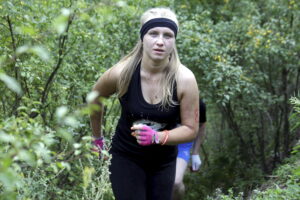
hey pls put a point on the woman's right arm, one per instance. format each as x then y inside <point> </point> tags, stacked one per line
<point>105,86</point>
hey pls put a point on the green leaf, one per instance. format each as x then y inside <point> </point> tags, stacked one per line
<point>26,30</point>
<point>22,49</point>
<point>61,112</point>
<point>92,96</point>
<point>71,121</point>
<point>48,139</point>
<point>87,176</point>
<point>42,151</point>
<point>11,83</point>
<point>27,157</point>
<point>6,137</point>
<point>65,135</point>
<point>63,165</point>
<point>77,145</point>
<point>297,171</point>
<point>9,179</point>
<point>61,22</point>
<point>41,52</point>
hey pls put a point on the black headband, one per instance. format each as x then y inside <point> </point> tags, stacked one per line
<point>158,22</point>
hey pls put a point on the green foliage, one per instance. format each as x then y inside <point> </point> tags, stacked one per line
<point>295,117</point>
<point>43,163</point>
<point>283,184</point>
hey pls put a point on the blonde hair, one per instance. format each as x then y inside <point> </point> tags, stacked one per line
<point>135,56</point>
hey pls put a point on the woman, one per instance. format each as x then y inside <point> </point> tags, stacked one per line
<point>156,92</point>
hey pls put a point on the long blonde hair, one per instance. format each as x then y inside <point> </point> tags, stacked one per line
<point>135,56</point>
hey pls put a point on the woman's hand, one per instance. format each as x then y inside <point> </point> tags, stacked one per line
<point>99,147</point>
<point>196,162</point>
<point>98,144</point>
<point>144,134</point>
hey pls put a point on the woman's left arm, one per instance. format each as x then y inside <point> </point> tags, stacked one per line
<point>188,94</point>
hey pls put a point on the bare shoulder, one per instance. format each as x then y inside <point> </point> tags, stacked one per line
<point>185,74</point>
<point>186,80</point>
<point>106,85</point>
<point>116,70</point>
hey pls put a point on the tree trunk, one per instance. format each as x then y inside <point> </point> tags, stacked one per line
<point>261,141</point>
<point>286,125</point>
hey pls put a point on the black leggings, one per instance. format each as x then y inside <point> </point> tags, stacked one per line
<point>132,180</point>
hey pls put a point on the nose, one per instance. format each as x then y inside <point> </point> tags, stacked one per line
<point>160,40</point>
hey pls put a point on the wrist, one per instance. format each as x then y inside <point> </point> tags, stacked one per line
<point>165,136</point>
<point>97,137</point>
<point>160,136</point>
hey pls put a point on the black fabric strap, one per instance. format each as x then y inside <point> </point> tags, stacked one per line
<point>158,22</point>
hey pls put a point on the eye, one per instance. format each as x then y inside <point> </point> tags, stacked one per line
<point>153,33</point>
<point>168,35</point>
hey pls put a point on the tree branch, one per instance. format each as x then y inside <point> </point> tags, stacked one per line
<point>11,32</point>
<point>61,44</point>
<point>13,63</point>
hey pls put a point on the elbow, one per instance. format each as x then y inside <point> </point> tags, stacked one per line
<point>190,132</point>
<point>195,131</point>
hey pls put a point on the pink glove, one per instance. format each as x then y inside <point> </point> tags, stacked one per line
<point>145,135</point>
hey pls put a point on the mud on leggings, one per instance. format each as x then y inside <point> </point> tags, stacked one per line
<point>133,180</point>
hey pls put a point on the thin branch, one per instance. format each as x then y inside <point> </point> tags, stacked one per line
<point>11,33</point>
<point>3,105</point>
<point>61,44</point>
<point>13,63</point>
<point>297,81</point>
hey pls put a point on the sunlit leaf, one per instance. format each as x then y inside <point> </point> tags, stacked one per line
<point>26,30</point>
<point>61,22</point>
<point>121,3</point>
<point>92,96</point>
<point>63,165</point>
<point>9,179</point>
<point>48,139</point>
<point>11,83</point>
<point>2,60</point>
<point>65,135</point>
<point>77,145</point>
<point>77,152</point>
<point>71,121</point>
<point>27,157</point>
<point>42,151</point>
<point>6,137</point>
<point>41,52</point>
<point>22,49</point>
<point>61,111</point>
<point>87,176</point>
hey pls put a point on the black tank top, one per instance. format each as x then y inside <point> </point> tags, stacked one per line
<point>136,110</point>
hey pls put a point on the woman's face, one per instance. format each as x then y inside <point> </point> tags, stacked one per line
<point>158,43</point>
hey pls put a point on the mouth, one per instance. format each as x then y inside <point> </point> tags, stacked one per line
<point>159,50</point>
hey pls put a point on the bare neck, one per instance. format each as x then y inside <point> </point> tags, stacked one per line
<point>154,67</point>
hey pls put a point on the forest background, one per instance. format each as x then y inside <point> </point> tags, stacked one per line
<point>245,55</point>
